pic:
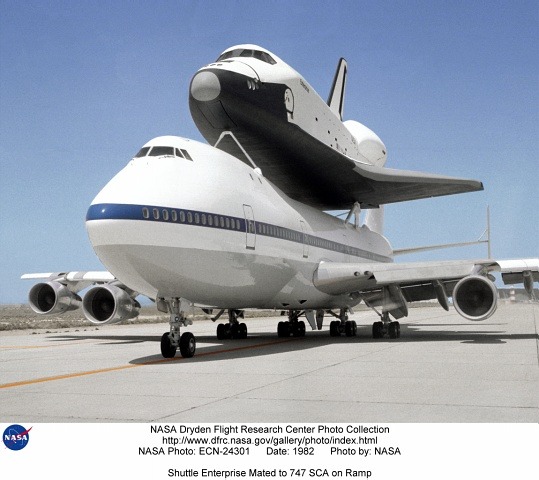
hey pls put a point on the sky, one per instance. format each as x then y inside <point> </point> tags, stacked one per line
<point>450,87</point>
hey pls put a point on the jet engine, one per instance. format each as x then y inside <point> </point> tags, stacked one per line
<point>475,297</point>
<point>109,304</point>
<point>52,298</point>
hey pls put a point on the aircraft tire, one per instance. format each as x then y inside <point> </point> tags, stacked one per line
<point>377,329</point>
<point>242,331</point>
<point>234,331</point>
<point>334,329</point>
<point>221,331</point>
<point>298,329</point>
<point>167,349</point>
<point>188,345</point>
<point>351,328</point>
<point>394,330</point>
<point>283,329</point>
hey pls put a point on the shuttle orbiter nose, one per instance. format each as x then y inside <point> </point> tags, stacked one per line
<point>205,86</point>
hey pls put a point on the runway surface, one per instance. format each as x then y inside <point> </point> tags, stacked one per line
<point>442,369</point>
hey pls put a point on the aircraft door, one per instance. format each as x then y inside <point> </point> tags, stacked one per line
<point>346,256</point>
<point>250,227</point>
<point>304,239</point>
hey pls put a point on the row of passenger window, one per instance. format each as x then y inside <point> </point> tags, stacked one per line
<point>230,223</point>
<point>163,151</point>
<point>287,234</point>
<point>279,232</point>
<point>342,248</point>
<point>194,218</point>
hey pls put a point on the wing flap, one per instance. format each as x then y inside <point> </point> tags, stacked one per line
<point>525,271</point>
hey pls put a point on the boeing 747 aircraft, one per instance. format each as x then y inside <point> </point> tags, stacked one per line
<point>228,227</point>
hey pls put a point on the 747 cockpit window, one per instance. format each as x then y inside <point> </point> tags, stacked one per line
<point>142,152</point>
<point>159,151</point>
<point>245,52</point>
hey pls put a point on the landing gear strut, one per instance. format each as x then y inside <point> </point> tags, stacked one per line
<point>343,325</point>
<point>170,341</point>
<point>292,327</point>
<point>233,329</point>
<point>385,327</point>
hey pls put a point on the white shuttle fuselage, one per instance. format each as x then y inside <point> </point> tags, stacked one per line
<point>274,86</point>
<point>300,142</point>
<point>216,232</point>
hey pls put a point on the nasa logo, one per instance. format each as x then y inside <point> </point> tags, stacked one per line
<point>16,437</point>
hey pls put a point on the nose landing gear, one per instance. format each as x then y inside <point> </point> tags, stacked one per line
<point>170,341</point>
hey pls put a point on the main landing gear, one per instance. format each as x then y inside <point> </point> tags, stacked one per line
<point>292,327</point>
<point>233,329</point>
<point>343,325</point>
<point>385,327</point>
<point>170,341</point>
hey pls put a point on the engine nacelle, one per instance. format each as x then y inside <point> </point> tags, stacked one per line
<point>475,297</point>
<point>52,298</point>
<point>109,304</point>
<point>368,143</point>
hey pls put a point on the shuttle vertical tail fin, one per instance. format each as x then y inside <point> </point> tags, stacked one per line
<point>375,219</point>
<point>336,96</point>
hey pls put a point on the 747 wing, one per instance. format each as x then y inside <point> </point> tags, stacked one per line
<point>391,286</point>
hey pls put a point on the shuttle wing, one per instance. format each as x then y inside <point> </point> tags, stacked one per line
<point>315,174</point>
<point>387,185</point>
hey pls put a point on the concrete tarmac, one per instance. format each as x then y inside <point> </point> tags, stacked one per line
<point>442,369</point>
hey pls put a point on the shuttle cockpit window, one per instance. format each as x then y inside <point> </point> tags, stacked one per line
<point>244,52</point>
<point>265,57</point>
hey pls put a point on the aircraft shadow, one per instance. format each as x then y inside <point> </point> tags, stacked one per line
<point>114,339</point>
<point>263,344</point>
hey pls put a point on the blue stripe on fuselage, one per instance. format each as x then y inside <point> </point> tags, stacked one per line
<point>196,218</point>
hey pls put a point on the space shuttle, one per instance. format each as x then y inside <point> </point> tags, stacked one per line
<point>277,122</point>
